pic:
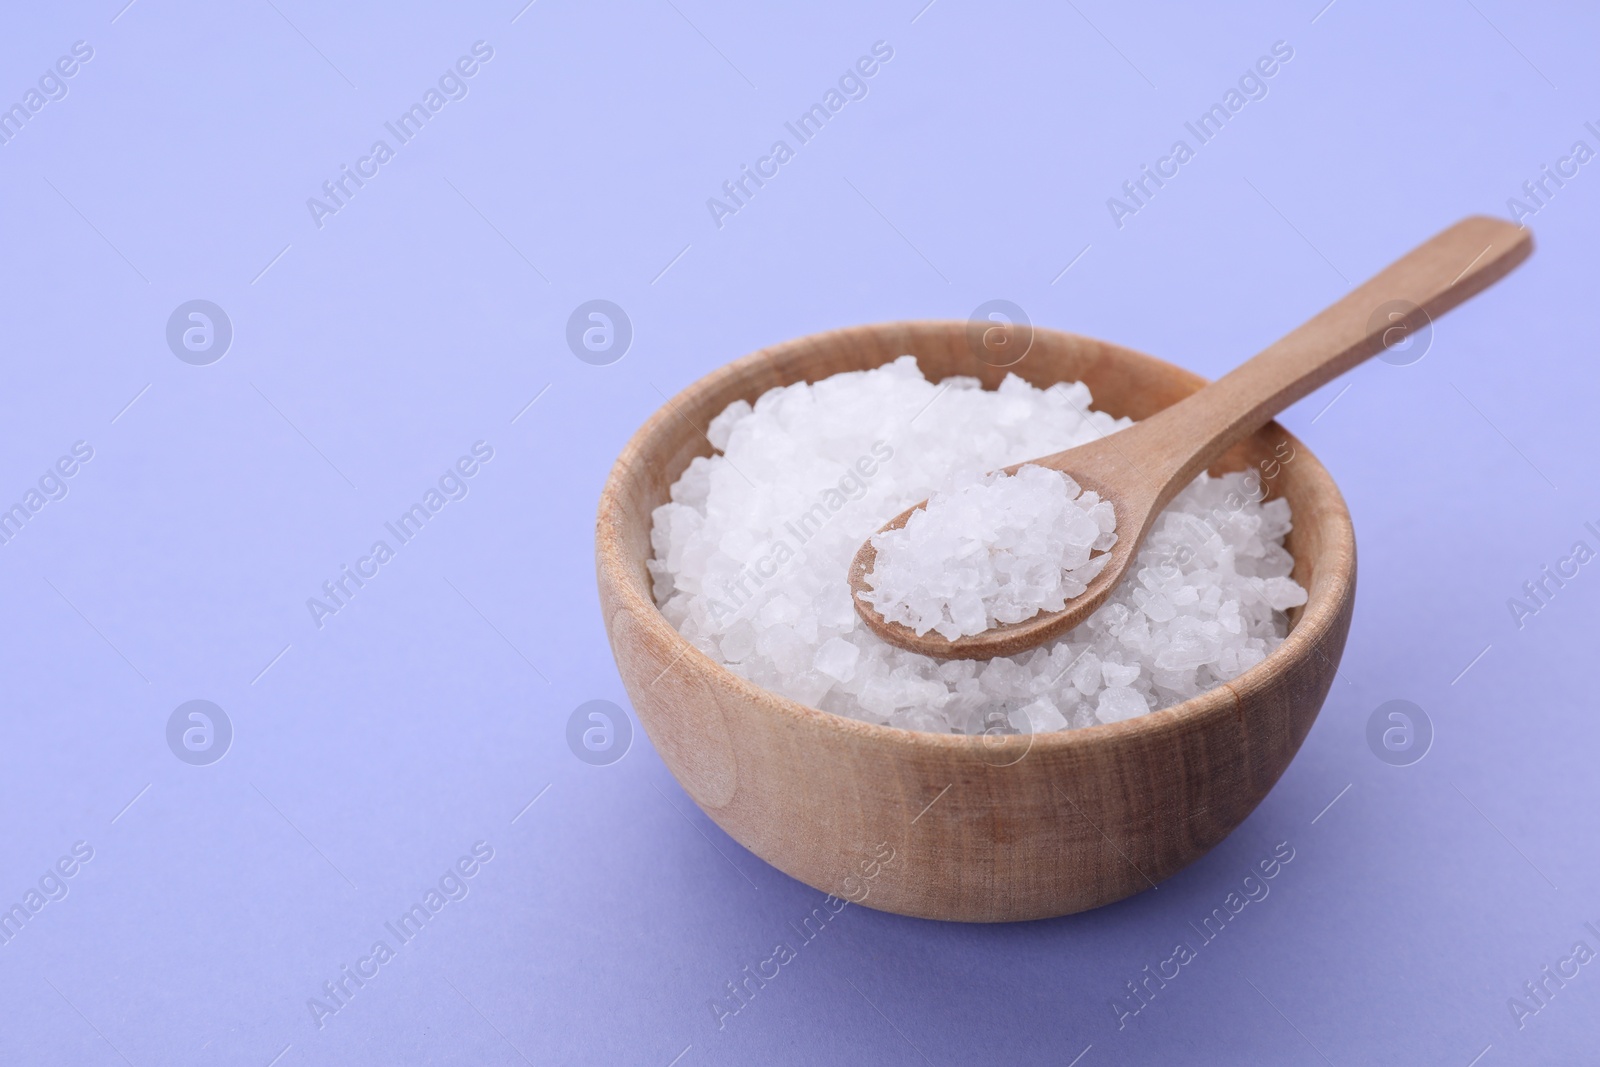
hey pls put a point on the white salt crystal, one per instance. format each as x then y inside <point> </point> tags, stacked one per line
<point>739,641</point>
<point>837,659</point>
<point>996,550</point>
<point>1284,593</point>
<point>1118,703</point>
<point>721,427</point>
<point>1086,675</point>
<point>1118,674</point>
<point>754,574</point>
<point>1040,717</point>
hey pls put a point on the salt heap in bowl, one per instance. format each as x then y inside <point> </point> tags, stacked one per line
<point>753,549</point>
<point>997,550</point>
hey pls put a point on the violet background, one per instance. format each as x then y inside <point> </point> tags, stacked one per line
<point>424,717</point>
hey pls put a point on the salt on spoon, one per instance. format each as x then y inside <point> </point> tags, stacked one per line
<point>997,550</point>
<point>1140,469</point>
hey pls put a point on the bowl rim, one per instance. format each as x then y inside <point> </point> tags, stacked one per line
<point>1320,613</point>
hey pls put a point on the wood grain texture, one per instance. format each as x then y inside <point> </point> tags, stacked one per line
<point>1141,469</point>
<point>983,829</point>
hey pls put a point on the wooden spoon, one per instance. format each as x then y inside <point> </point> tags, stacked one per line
<point>1141,468</point>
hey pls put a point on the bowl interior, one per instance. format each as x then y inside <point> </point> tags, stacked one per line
<point>1122,381</point>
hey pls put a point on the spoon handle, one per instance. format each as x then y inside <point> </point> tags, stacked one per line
<point>1402,298</point>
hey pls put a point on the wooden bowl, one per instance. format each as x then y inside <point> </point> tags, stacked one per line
<point>982,829</point>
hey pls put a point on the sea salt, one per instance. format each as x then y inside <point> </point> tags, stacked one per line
<point>752,551</point>
<point>999,549</point>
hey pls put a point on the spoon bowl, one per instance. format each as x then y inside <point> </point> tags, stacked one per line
<point>1097,467</point>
